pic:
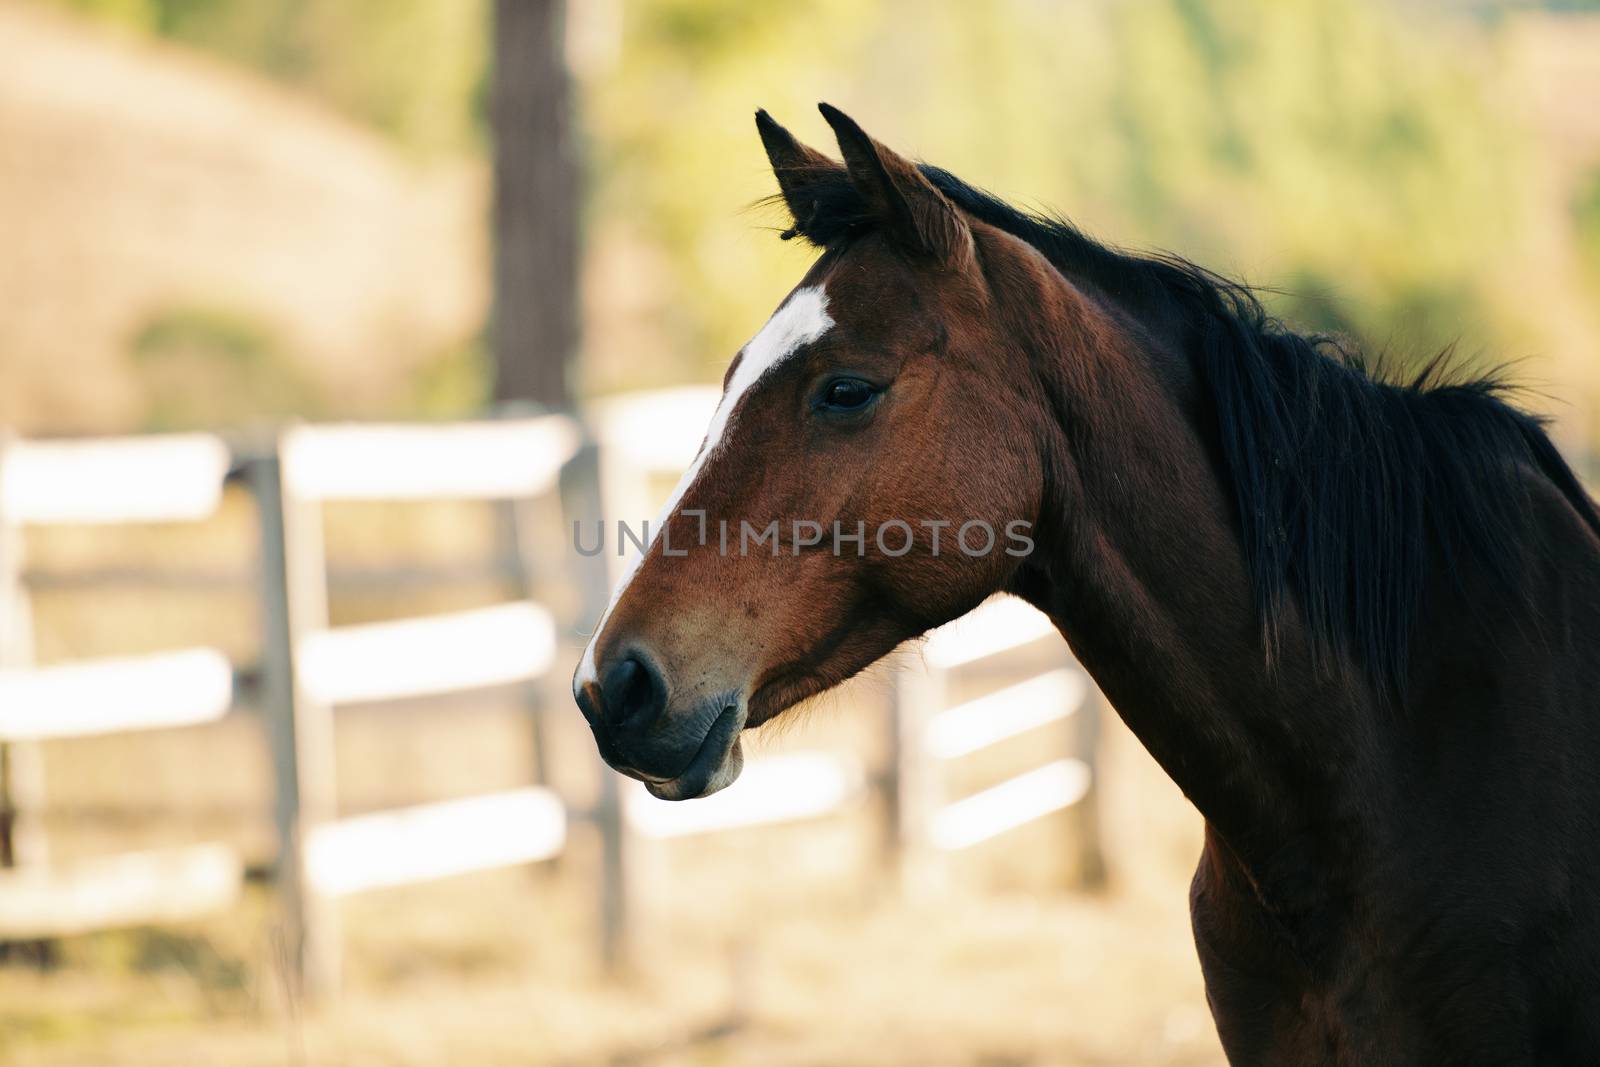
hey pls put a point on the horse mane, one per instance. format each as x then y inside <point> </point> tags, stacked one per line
<point>1348,482</point>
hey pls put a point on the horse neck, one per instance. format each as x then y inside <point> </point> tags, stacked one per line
<point>1140,568</point>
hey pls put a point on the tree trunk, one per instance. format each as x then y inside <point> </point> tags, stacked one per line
<point>536,204</point>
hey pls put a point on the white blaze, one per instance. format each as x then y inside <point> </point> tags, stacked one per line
<point>802,319</point>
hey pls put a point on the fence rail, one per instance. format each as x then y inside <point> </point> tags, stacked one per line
<point>428,655</point>
<point>800,785</point>
<point>1004,713</point>
<point>309,668</point>
<point>113,695</point>
<point>133,889</point>
<point>429,841</point>
<point>175,478</point>
<point>507,459</point>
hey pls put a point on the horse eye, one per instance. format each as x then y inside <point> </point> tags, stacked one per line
<point>847,394</point>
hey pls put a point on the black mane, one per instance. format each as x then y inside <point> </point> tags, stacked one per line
<point>1347,485</point>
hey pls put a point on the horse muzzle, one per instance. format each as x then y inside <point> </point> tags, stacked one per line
<point>678,753</point>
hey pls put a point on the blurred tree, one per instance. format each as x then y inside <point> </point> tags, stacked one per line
<point>1327,146</point>
<point>535,327</point>
<point>1586,224</point>
<point>455,382</point>
<point>140,14</point>
<point>1361,155</point>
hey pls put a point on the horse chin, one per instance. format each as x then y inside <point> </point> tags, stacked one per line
<point>714,767</point>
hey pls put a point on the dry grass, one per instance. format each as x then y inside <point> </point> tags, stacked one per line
<point>775,947</point>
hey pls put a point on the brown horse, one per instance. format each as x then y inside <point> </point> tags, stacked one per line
<point>1358,622</point>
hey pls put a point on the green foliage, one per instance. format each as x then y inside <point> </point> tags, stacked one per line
<point>674,160</point>
<point>1586,223</point>
<point>138,14</point>
<point>1349,152</point>
<point>1326,136</point>
<point>209,367</point>
<point>453,384</point>
<point>1319,145</point>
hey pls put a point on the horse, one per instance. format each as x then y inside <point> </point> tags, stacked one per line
<point>1354,616</point>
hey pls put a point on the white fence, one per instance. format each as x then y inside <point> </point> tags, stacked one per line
<point>310,668</point>
<point>165,479</point>
<point>315,667</point>
<point>928,732</point>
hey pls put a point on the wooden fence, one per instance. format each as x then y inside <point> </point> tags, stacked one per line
<point>614,465</point>
<point>313,668</point>
<point>928,732</point>
<point>167,479</point>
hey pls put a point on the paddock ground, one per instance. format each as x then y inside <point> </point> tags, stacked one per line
<point>772,947</point>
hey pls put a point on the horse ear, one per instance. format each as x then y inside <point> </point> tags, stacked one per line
<point>798,169</point>
<point>914,212</point>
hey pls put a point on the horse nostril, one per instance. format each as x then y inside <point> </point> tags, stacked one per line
<point>634,693</point>
<point>633,700</point>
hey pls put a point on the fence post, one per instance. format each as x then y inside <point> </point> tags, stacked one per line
<point>583,502</point>
<point>516,561</point>
<point>517,532</point>
<point>914,796</point>
<point>299,730</point>
<point>22,841</point>
<point>1085,814</point>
